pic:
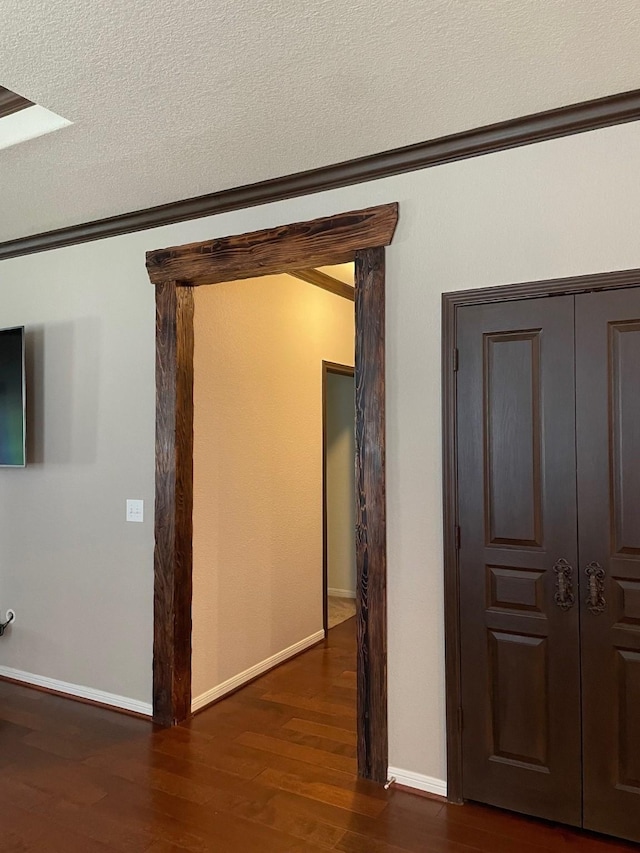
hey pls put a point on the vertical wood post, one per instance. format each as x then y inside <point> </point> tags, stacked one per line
<point>174,503</point>
<point>371,544</point>
<point>175,271</point>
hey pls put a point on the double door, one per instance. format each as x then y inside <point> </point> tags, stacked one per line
<point>548,414</point>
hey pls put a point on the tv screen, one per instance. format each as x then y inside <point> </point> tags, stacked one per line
<point>12,398</point>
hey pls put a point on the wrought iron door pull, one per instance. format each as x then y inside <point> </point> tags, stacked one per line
<point>596,601</point>
<point>564,596</point>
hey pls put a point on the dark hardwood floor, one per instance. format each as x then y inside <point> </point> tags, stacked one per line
<point>269,769</point>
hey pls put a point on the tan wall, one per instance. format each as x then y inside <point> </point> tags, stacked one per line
<point>341,500</point>
<point>257,583</point>
<point>81,579</point>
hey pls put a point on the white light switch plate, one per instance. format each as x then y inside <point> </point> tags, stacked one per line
<point>135,510</point>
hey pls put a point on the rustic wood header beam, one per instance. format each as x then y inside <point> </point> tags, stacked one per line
<point>277,250</point>
<point>358,236</point>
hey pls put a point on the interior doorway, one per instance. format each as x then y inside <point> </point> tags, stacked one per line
<point>358,236</point>
<point>338,493</point>
<point>258,473</point>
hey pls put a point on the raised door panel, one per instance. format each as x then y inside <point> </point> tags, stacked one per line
<point>608,411</point>
<point>518,673</point>
<point>517,514</point>
<point>628,676</point>
<point>624,440</point>
<point>513,502</point>
<point>510,589</point>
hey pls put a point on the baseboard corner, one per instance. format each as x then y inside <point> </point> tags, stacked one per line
<point>418,782</point>
<point>199,703</point>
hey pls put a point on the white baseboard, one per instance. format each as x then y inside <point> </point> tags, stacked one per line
<point>418,781</point>
<point>341,593</point>
<point>77,690</point>
<point>232,684</point>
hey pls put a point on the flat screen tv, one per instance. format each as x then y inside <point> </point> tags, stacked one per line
<point>12,398</point>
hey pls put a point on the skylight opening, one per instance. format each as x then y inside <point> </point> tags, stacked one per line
<point>21,119</point>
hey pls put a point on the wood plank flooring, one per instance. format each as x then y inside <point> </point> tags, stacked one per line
<point>269,769</point>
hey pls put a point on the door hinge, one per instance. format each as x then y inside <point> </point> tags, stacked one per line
<point>460,720</point>
<point>457,537</point>
<point>456,359</point>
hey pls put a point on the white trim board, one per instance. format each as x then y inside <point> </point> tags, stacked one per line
<point>416,780</point>
<point>341,593</point>
<point>78,691</point>
<point>232,684</point>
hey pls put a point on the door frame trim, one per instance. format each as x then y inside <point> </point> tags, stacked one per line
<point>451,303</point>
<point>338,370</point>
<point>359,236</point>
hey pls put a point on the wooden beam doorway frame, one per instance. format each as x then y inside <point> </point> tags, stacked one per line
<point>451,303</point>
<point>359,236</point>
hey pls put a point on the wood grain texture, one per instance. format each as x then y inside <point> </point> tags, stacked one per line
<point>325,241</point>
<point>326,282</point>
<point>174,503</point>
<point>320,242</point>
<point>243,776</point>
<point>371,544</point>
<point>11,103</point>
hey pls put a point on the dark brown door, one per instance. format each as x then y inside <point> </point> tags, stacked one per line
<point>608,421</point>
<point>517,514</point>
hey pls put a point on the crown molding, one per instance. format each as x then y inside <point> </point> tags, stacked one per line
<point>539,127</point>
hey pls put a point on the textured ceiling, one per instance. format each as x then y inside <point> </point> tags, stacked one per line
<point>176,98</point>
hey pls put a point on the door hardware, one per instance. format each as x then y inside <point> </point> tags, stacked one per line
<point>564,596</point>
<point>596,601</point>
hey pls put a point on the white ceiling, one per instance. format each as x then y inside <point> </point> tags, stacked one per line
<point>176,98</point>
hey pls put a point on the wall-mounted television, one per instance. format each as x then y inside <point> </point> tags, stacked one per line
<point>12,398</point>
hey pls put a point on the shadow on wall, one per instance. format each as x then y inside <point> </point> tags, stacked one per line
<point>63,391</point>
